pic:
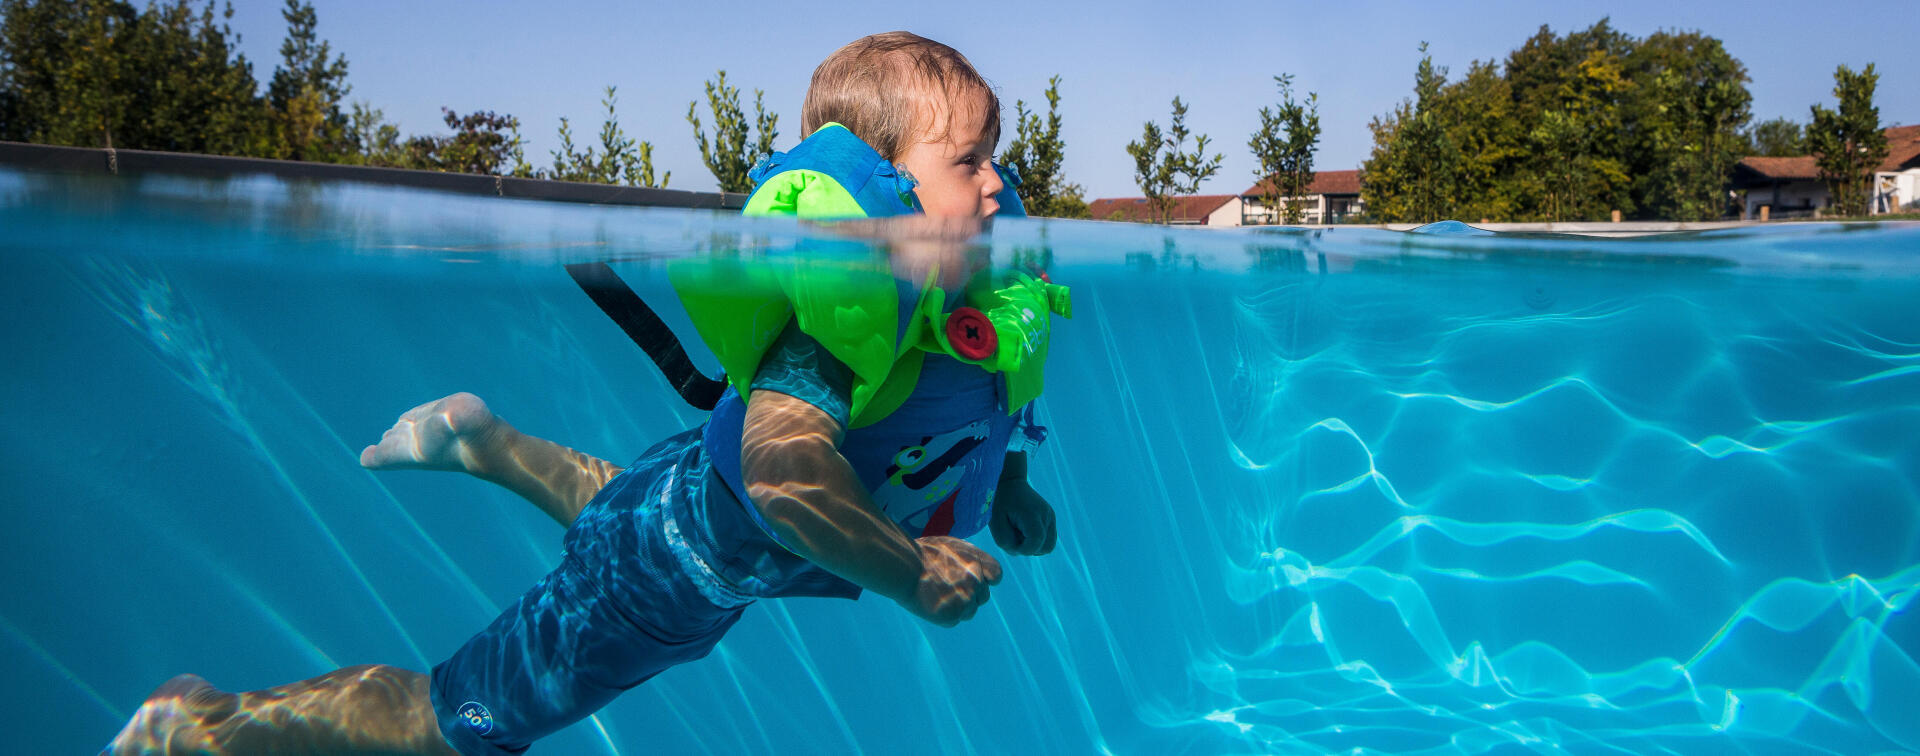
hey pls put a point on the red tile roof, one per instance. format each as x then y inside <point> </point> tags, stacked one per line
<point>1782,168</point>
<point>1189,209</point>
<point>1903,148</point>
<point>1324,182</point>
<point>1903,152</point>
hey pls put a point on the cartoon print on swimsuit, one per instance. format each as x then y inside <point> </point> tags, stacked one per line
<point>923,481</point>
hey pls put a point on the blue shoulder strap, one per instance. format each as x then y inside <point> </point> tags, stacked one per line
<point>879,188</point>
<point>1009,196</point>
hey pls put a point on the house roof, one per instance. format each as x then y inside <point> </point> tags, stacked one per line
<point>1903,152</point>
<point>1324,182</point>
<point>1903,148</point>
<point>1189,209</point>
<point>1780,168</point>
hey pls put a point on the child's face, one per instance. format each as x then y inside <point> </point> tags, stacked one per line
<point>955,170</point>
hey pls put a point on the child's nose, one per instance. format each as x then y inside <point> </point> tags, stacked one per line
<point>993,183</point>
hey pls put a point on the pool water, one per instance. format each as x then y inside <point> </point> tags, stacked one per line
<point>1325,491</point>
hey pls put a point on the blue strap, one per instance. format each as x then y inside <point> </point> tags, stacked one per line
<point>1009,196</point>
<point>764,167</point>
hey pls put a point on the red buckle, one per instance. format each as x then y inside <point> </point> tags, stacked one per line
<point>971,334</point>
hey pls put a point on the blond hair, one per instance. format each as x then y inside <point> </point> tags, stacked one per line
<point>893,88</point>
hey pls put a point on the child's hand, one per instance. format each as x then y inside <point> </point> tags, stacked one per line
<point>954,576</point>
<point>1022,520</point>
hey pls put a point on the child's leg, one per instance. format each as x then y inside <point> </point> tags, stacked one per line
<point>367,709</point>
<point>458,433</point>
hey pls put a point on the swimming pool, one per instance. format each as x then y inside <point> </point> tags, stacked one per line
<point>1319,491</point>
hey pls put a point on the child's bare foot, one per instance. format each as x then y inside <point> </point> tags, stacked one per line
<point>364,709</point>
<point>182,716</point>
<point>444,434</point>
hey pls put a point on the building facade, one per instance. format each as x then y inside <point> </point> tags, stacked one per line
<point>1333,197</point>
<point>1191,210</point>
<point>1791,187</point>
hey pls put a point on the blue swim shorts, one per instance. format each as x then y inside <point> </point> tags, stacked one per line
<point>628,600</point>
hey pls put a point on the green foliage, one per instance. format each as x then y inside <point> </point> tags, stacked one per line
<point>1578,167</point>
<point>98,73</point>
<point>1284,147</point>
<point>1485,142</point>
<point>727,157</point>
<point>1569,128</point>
<point>1412,173</point>
<point>1693,102</point>
<point>1848,143</point>
<point>379,141</point>
<point>306,92</point>
<point>1035,154</point>
<point>619,160</point>
<point>67,68</point>
<point>1777,137</point>
<point>1163,177</point>
<point>483,142</point>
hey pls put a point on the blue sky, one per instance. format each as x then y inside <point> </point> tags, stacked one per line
<point>1121,62</point>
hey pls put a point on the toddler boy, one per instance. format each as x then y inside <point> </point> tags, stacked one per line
<point>798,485</point>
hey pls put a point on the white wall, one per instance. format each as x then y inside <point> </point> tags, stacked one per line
<point>1227,215</point>
<point>1313,209</point>
<point>1905,190</point>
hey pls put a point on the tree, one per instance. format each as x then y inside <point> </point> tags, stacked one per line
<point>378,140</point>
<point>67,65</point>
<point>1488,143</point>
<point>98,73</point>
<point>1573,97</point>
<point>620,159</point>
<point>1286,162</point>
<point>1412,172</point>
<point>1578,141</point>
<point>17,34</point>
<point>1569,127</point>
<point>727,156</point>
<point>201,95</point>
<point>306,92</point>
<point>1689,106</point>
<point>483,142</point>
<point>1848,144</point>
<point>1777,137</point>
<point>1035,154</point>
<point>1165,176</point>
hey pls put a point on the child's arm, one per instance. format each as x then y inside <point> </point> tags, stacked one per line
<point>810,495</point>
<point>460,434</point>
<point>1022,519</point>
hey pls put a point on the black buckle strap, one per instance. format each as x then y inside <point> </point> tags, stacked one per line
<point>646,329</point>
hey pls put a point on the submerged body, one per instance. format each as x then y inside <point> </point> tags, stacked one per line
<point>800,484</point>
<point>667,555</point>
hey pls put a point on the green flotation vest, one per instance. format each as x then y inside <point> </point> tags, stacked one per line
<point>880,327</point>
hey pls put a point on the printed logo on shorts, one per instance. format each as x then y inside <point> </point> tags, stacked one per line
<point>478,719</point>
